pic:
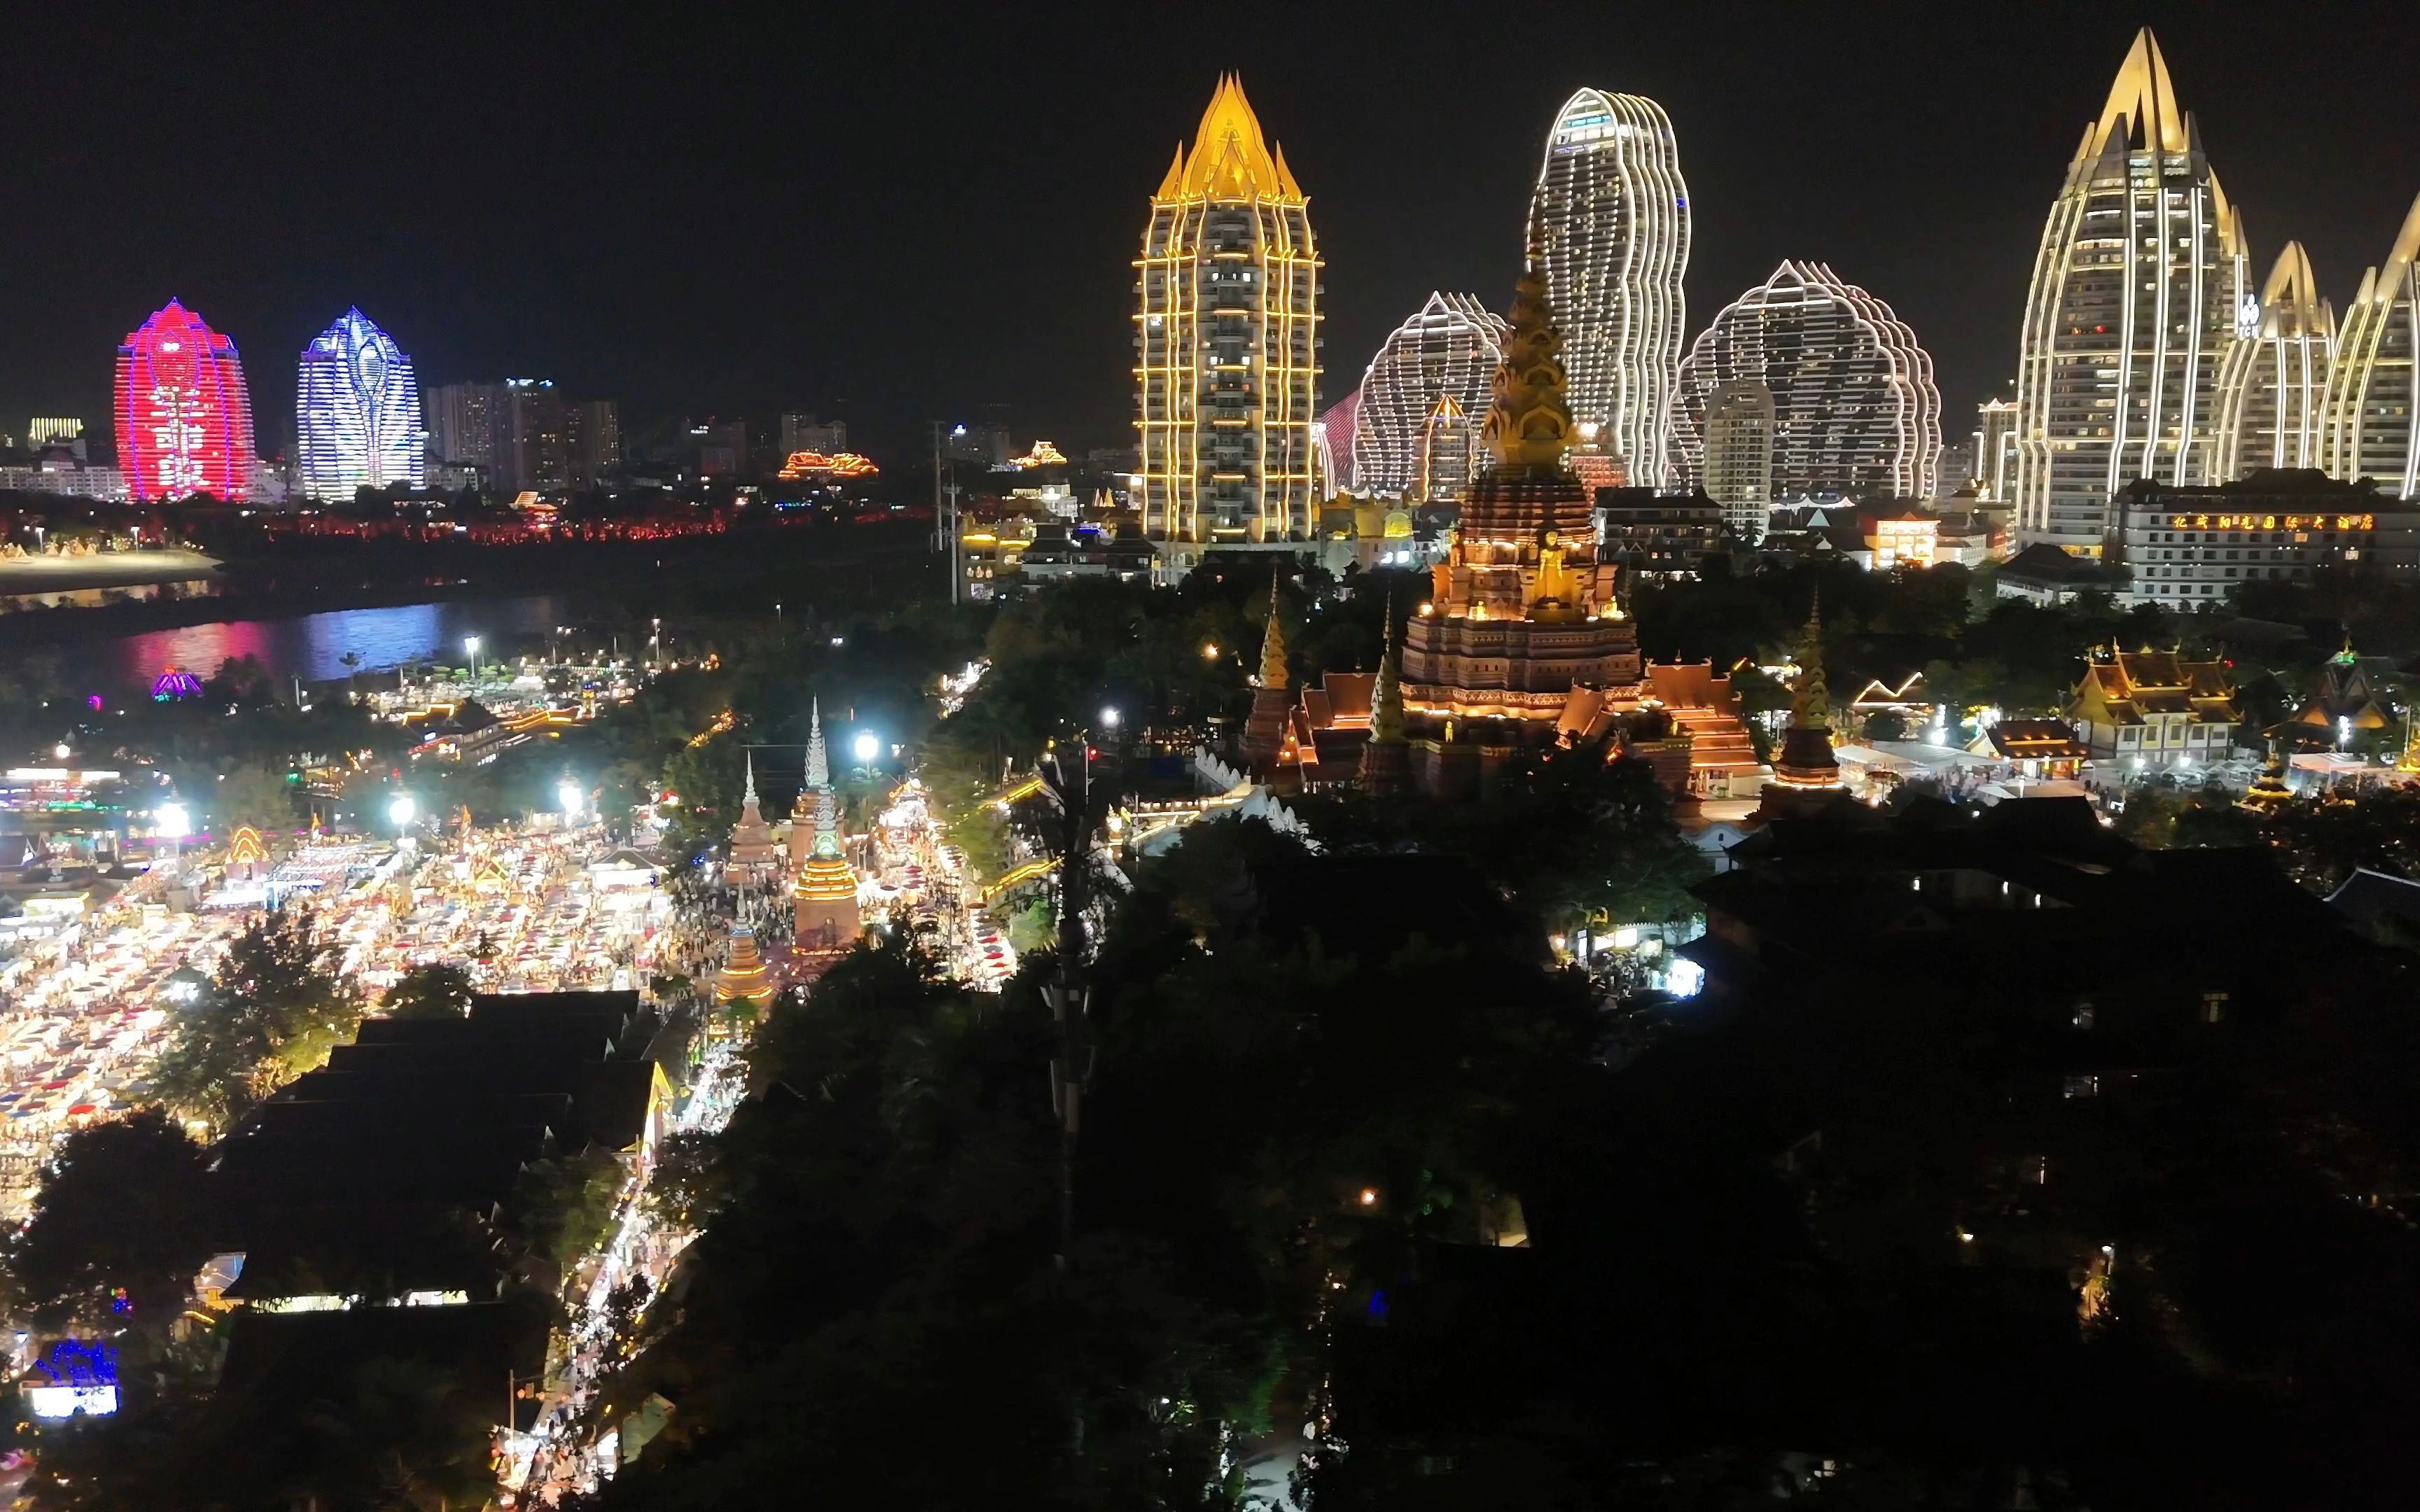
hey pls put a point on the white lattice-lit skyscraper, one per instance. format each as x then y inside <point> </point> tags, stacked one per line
<point>1450,348</point>
<point>357,408</point>
<point>1609,229</point>
<point>2367,429</point>
<point>1853,406</point>
<point>2137,289</point>
<point>1227,341</point>
<point>2271,384</point>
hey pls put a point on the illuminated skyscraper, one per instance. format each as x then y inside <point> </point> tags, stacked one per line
<point>1332,438</point>
<point>1739,455</point>
<point>1854,409</point>
<point>185,416</point>
<point>357,409</point>
<point>2140,282</point>
<point>2367,429</point>
<point>1995,448</point>
<point>1450,348</point>
<point>2271,385</point>
<point>1610,227</point>
<point>1227,340</point>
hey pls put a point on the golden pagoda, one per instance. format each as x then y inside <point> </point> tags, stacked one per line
<point>1805,760</point>
<point>1522,614</point>
<point>2269,792</point>
<point>1386,760</point>
<point>1266,727</point>
<point>743,977</point>
<point>824,895</point>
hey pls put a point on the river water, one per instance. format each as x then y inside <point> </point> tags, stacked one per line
<point>313,646</point>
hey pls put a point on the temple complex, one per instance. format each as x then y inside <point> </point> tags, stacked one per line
<point>752,838</point>
<point>825,894</point>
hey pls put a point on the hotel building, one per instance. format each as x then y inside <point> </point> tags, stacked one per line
<point>1609,231</point>
<point>2273,385</point>
<point>2365,428</point>
<point>1227,344</point>
<point>357,409</point>
<point>1429,379</point>
<point>2140,280</point>
<point>1853,406</point>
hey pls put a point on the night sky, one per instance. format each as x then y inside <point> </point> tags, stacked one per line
<point>919,214</point>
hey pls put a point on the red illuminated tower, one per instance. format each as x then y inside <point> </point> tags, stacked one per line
<point>184,417</point>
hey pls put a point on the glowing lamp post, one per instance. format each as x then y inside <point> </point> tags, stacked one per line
<point>866,749</point>
<point>569,795</point>
<point>172,823</point>
<point>471,649</point>
<point>402,811</point>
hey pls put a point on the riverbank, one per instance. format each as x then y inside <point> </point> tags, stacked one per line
<point>836,568</point>
<point>32,585</point>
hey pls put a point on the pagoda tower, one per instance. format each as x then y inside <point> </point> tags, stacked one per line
<point>1807,761</point>
<point>1522,614</point>
<point>752,838</point>
<point>1386,760</point>
<point>1265,730</point>
<point>743,978</point>
<point>824,895</point>
<point>818,777</point>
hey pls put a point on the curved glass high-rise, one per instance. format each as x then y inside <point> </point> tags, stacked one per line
<point>2366,425</point>
<point>1227,340</point>
<point>357,409</point>
<point>1610,230</point>
<point>1853,406</point>
<point>2275,373</point>
<point>184,415</point>
<point>2138,285</point>
<point>1738,473</point>
<point>1449,348</point>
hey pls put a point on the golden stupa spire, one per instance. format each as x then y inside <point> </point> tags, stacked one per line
<point>1386,697</point>
<point>1528,423</point>
<point>1810,702</point>
<point>1272,657</point>
<point>1231,159</point>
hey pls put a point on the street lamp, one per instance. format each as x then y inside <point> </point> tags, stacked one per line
<point>569,795</point>
<point>866,747</point>
<point>1108,718</point>
<point>471,649</point>
<point>402,809</point>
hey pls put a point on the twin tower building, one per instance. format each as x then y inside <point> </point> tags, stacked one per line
<point>2147,350</point>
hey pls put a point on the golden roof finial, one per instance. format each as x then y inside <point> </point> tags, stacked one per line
<point>1231,159</point>
<point>1528,423</point>
<point>1272,657</point>
<point>1386,697</point>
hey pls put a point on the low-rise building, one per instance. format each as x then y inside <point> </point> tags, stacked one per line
<point>2184,548</point>
<point>2155,708</point>
<point>1660,537</point>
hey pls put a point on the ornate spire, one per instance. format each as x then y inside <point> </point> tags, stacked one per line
<point>1387,698</point>
<point>818,763</point>
<point>1528,423</point>
<point>1272,657</point>
<point>1810,702</point>
<point>826,823</point>
<point>748,794</point>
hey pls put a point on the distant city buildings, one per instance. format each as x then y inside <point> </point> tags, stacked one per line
<point>1415,434</point>
<point>357,412</point>
<point>1227,342</point>
<point>42,431</point>
<point>1853,406</point>
<point>1610,226</point>
<point>2367,424</point>
<point>1738,474</point>
<point>987,444</point>
<point>2140,280</point>
<point>522,436</point>
<point>1995,450</point>
<point>1332,436</point>
<point>805,433</point>
<point>183,413</point>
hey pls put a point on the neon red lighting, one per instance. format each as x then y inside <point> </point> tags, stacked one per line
<point>185,416</point>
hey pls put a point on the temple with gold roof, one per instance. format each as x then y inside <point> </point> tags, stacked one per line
<point>1522,615</point>
<point>743,979</point>
<point>824,897</point>
<point>752,838</point>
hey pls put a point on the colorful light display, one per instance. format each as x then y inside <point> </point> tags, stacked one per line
<point>185,416</point>
<point>816,466</point>
<point>175,682</point>
<point>1042,455</point>
<point>357,405</point>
